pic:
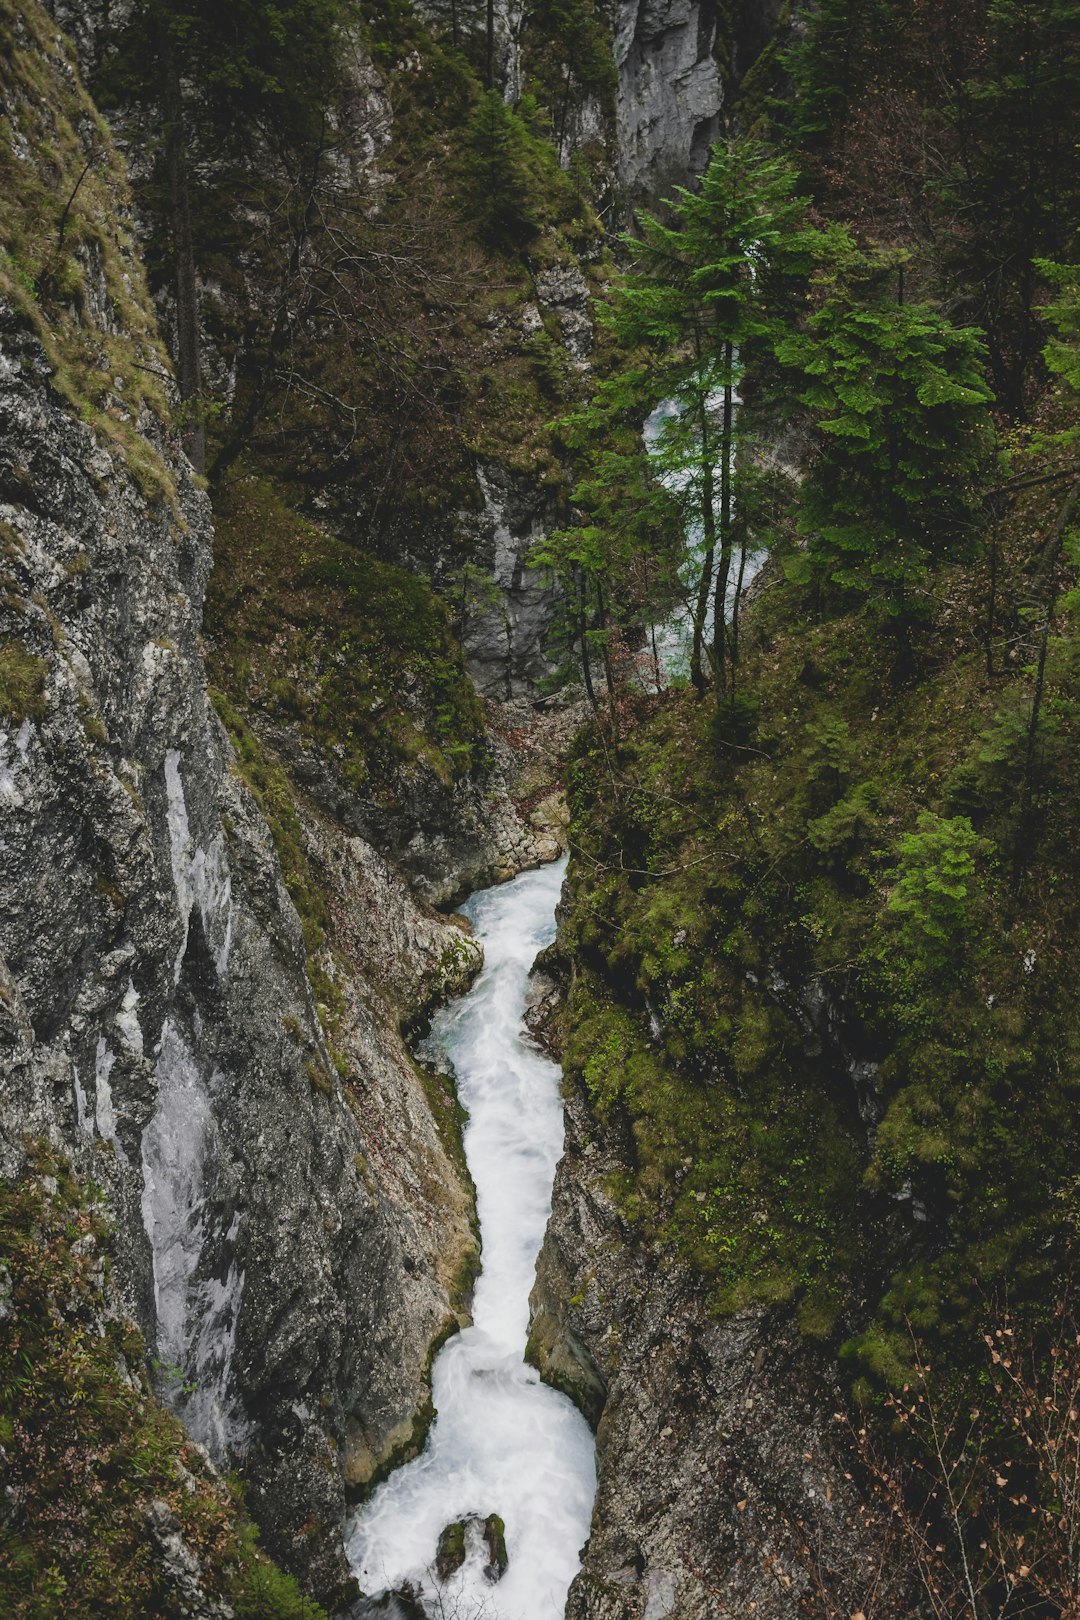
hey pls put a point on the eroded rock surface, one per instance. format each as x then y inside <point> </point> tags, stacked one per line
<point>289,1222</point>
<point>718,1460</point>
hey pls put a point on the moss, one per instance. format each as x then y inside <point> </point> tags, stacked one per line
<point>320,1076</point>
<point>56,267</point>
<point>360,656</point>
<point>747,923</point>
<point>11,541</point>
<point>450,1552</point>
<point>273,793</point>
<point>22,682</point>
<point>495,1541</point>
<point>90,1447</point>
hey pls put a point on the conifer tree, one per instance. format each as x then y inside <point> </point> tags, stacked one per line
<point>901,413</point>
<point>705,292</point>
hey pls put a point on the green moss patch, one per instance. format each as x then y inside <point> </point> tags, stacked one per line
<point>69,259</point>
<point>358,655</point>
<point>22,682</point>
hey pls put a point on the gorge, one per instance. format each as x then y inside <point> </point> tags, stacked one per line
<point>572,1248</point>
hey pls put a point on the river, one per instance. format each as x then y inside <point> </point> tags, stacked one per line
<point>502,1442</point>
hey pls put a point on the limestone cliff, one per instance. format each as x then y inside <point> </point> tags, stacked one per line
<point>290,1227</point>
<point>670,93</point>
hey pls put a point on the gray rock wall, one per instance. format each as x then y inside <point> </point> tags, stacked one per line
<point>286,1233</point>
<point>670,93</point>
<point>719,1460</point>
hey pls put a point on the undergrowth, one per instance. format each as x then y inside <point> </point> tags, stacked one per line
<point>821,968</point>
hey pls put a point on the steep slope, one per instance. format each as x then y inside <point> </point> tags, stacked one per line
<point>289,1230</point>
<point>810,1127</point>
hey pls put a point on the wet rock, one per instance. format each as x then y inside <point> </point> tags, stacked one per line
<point>286,1234</point>
<point>404,1604</point>
<point>714,1440</point>
<point>450,1553</point>
<point>494,1531</point>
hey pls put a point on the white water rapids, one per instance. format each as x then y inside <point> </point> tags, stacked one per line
<point>502,1442</point>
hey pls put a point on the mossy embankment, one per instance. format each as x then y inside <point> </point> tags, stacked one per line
<point>70,265</point>
<point>822,959</point>
<point>358,655</point>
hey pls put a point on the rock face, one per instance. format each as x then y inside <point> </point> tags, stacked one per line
<point>288,1221</point>
<point>716,1458</point>
<point>507,631</point>
<point>670,93</point>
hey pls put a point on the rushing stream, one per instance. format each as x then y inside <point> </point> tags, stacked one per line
<point>502,1442</point>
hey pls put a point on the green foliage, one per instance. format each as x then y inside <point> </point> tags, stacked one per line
<point>845,831</point>
<point>271,65</point>
<point>935,890</point>
<point>22,682</point>
<point>704,296</point>
<point>832,866</point>
<point>261,1591</point>
<point>568,48</point>
<point>904,436</point>
<point>1062,350</point>
<point>511,183</point>
<point>830,62</point>
<point>955,131</point>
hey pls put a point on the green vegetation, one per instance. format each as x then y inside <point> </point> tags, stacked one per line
<point>375,349</point>
<point>904,439</point>
<point>69,260</point>
<point>22,682</point>
<point>358,655</point>
<point>950,131</point>
<point>705,295</point>
<point>85,1447</point>
<point>850,900</point>
<point>855,857</point>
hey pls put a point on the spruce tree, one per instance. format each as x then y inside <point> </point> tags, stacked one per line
<point>901,417</point>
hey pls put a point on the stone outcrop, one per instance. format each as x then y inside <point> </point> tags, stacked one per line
<point>506,636</point>
<point>288,1220</point>
<point>670,93</point>
<point>717,1451</point>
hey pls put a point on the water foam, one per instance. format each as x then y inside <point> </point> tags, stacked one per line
<point>502,1442</point>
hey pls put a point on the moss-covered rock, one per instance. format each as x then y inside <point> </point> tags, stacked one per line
<point>110,1507</point>
<point>69,258</point>
<point>450,1553</point>
<point>354,657</point>
<point>494,1532</point>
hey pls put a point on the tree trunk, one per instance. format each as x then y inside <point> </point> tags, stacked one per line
<point>735,612</point>
<point>708,530</point>
<point>720,649</point>
<point>1047,562</point>
<point>188,362</point>
<point>609,674</point>
<point>583,638</point>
